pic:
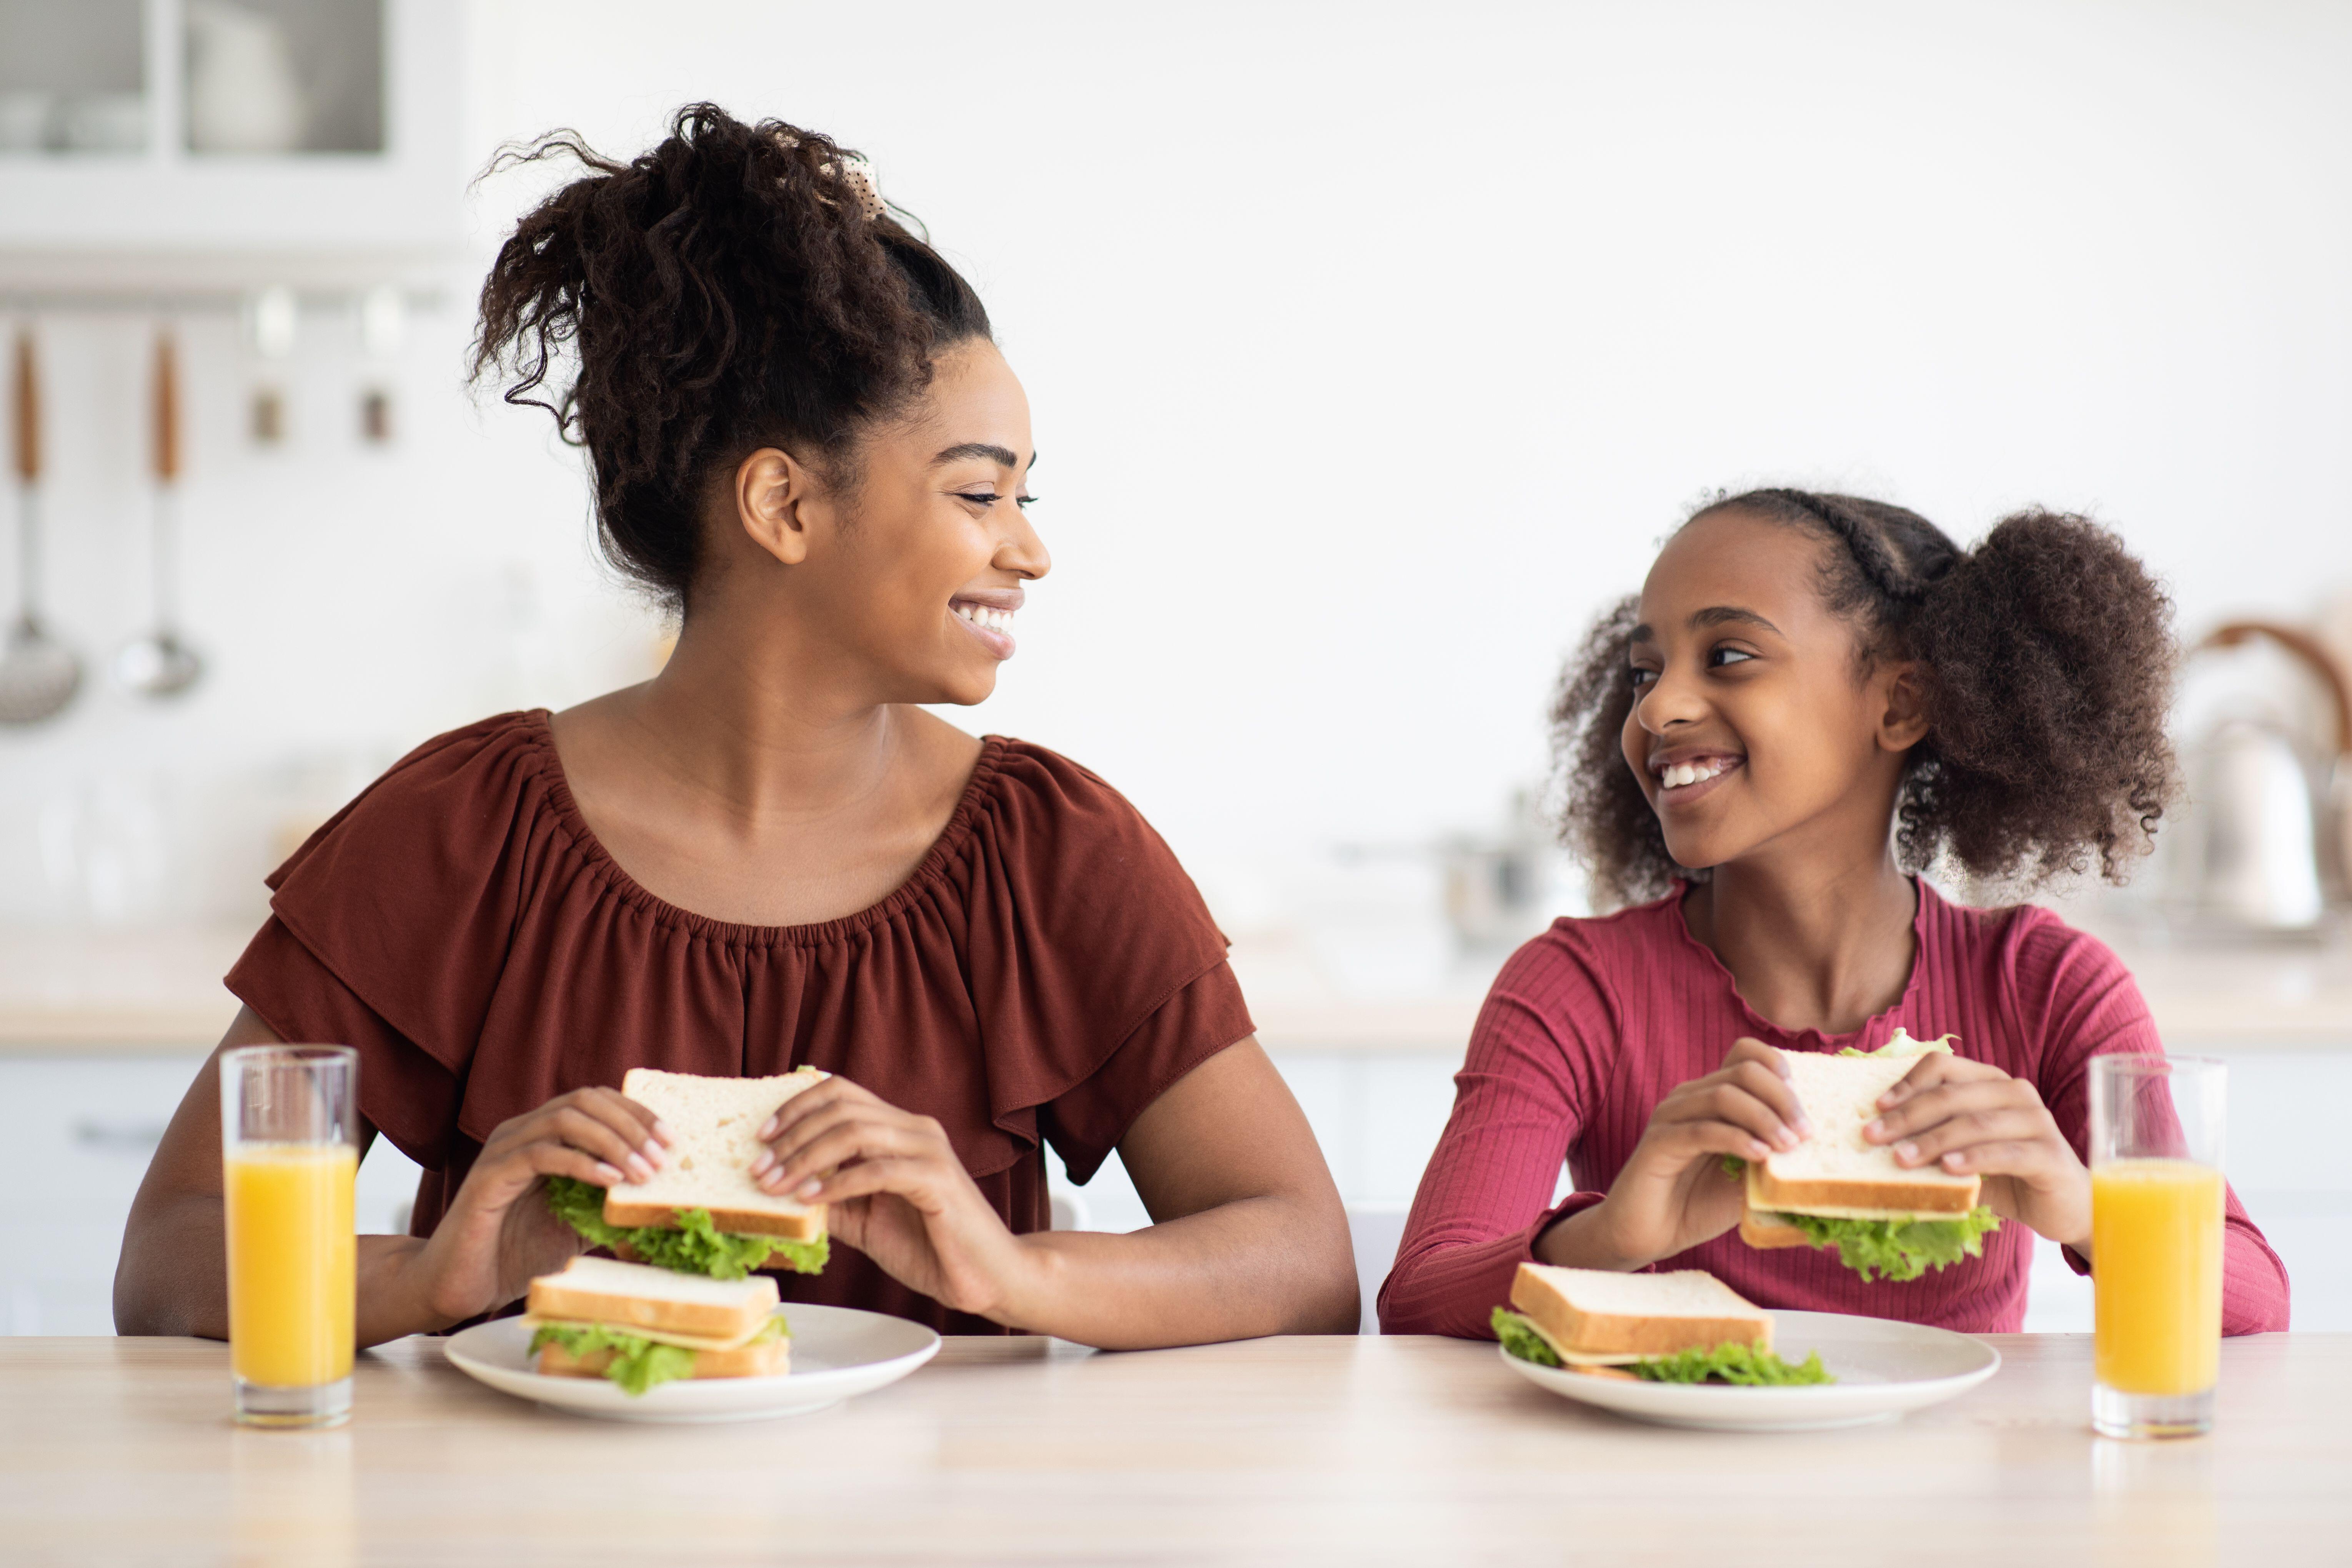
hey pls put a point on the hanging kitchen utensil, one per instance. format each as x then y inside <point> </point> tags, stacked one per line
<point>2268,843</point>
<point>38,675</point>
<point>160,664</point>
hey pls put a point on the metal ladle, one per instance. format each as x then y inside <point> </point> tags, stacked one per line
<point>38,675</point>
<point>160,664</point>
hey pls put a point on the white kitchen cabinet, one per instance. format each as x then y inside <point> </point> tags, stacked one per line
<point>76,1132</point>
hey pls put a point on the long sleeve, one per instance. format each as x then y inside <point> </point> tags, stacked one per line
<point>1518,1103</point>
<point>2085,1003</point>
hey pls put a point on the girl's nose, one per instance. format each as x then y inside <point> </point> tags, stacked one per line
<point>1667,702</point>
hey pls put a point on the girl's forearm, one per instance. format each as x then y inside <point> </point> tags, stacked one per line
<point>1583,1240</point>
<point>1241,1270</point>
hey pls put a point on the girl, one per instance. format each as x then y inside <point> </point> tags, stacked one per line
<point>1814,698</point>
<point>803,440</point>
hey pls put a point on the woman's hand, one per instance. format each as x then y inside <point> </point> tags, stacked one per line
<point>1674,1192</point>
<point>497,1235</point>
<point>1971,1118</point>
<point>899,1194</point>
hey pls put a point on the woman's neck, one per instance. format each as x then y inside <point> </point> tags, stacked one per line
<point>1818,946</point>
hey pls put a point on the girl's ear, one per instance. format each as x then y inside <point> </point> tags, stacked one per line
<point>775,494</point>
<point>1903,722</point>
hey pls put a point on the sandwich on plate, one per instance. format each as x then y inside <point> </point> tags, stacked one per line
<point>1838,1189</point>
<point>702,1212</point>
<point>1684,1327</point>
<point>641,1326</point>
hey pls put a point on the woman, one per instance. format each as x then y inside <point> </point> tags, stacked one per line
<point>805,440</point>
<point>1813,697</point>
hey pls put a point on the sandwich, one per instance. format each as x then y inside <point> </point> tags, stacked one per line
<point>1682,1327</point>
<point>702,1212</point>
<point>640,1326</point>
<point>1838,1189</point>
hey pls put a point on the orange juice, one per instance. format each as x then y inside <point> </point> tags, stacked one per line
<point>2156,1269</point>
<point>292,1262</point>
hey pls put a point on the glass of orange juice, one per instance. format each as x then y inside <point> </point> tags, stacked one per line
<point>289,1155</point>
<point>2155,1243</point>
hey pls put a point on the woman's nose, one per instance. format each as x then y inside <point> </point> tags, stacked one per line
<point>1022,550</point>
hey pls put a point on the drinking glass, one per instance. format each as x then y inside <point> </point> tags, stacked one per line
<point>2155,1243</point>
<point>289,1155</point>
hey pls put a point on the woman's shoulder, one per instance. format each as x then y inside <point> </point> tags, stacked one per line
<point>1049,809</point>
<point>450,793</point>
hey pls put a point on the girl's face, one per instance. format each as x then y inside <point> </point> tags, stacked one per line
<point>1755,729</point>
<point>905,578</point>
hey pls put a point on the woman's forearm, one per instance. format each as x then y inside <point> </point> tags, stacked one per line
<point>174,1277</point>
<point>1246,1268</point>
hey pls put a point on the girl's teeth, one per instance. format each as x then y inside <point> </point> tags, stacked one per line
<point>1682,773</point>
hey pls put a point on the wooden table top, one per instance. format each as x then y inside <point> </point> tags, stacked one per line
<point>1285,1450</point>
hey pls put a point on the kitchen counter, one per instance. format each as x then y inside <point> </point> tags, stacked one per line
<point>160,990</point>
<point>1283,1450</point>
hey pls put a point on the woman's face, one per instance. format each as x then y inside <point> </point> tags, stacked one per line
<point>1754,727</point>
<point>910,569</point>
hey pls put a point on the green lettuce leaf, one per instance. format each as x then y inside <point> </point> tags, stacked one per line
<point>1519,1338</point>
<point>695,1246</point>
<point>637,1365</point>
<point>1751,1366</point>
<point>1898,1248</point>
<point>1733,1362</point>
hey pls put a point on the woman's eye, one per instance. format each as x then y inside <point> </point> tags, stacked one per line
<point>1024,501</point>
<point>1718,657</point>
<point>979,498</point>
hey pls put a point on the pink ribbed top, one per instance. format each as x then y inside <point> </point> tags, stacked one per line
<point>1591,1023</point>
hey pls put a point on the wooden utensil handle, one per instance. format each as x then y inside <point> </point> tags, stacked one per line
<point>28,412</point>
<point>167,409</point>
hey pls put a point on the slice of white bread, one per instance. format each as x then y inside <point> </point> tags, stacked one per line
<point>1594,1316</point>
<point>633,1295</point>
<point>769,1358</point>
<point>1837,1172</point>
<point>716,1123</point>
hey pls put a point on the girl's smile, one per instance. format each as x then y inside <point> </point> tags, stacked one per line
<point>1682,776</point>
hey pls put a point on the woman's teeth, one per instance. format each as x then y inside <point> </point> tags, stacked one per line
<point>981,615</point>
<point>1682,773</point>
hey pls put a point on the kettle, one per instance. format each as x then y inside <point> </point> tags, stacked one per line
<point>2266,842</point>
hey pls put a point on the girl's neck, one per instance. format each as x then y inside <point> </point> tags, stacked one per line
<point>1815,946</point>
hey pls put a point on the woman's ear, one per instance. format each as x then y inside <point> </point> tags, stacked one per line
<point>1904,721</point>
<point>774,493</point>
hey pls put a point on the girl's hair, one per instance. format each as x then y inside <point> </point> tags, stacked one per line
<point>2048,660</point>
<point>728,291</point>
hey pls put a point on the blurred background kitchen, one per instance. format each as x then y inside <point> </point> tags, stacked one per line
<point>1373,347</point>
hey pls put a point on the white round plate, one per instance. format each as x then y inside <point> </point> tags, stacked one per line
<point>1883,1369</point>
<point>837,1352</point>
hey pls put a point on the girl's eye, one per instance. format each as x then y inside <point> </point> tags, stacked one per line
<point>1641,678</point>
<point>1718,657</point>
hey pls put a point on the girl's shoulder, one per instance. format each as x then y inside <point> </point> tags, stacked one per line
<point>2057,979</point>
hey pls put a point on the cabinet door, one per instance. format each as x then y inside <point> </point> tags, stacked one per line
<point>76,1134</point>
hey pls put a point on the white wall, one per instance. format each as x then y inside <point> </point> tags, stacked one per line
<point>1371,348</point>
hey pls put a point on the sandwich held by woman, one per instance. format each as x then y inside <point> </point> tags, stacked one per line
<point>804,443</point>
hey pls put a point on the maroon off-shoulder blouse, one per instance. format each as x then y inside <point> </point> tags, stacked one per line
<point>1046,973</point>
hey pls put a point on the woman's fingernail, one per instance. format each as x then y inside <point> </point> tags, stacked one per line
<point>1874,1128</point>
<point>1907,1152</point>
<point>639,1168</point>
<point>654,1154</point>
<point>764,1164</point>
<point>605,1170</point>
<point>661,1131</point>
<point>1757,1151</point>
<point>809,1188</point>
<point>1804,1125</point>
<point>767,1128</point>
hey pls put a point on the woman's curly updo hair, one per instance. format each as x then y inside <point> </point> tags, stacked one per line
<point>728,291</point>
<point>2047,657</point>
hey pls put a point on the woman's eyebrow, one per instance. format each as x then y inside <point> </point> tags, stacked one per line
<point>1003,457</point>
<point>1731,614</point>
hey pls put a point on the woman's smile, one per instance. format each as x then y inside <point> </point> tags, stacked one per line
<point>988,614</point>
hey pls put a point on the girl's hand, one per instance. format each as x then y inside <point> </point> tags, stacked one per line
<point>1674,1192</point>
<point>899,1194</point>
<point>1971,1118</point>
<point>498,1234</point>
